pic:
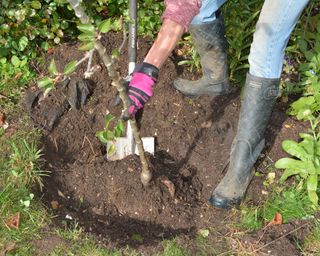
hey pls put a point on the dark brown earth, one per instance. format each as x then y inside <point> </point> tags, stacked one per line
<point>193,138</point>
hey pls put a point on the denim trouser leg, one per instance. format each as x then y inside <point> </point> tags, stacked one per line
<point>276,22</point>
<point>207,11</point>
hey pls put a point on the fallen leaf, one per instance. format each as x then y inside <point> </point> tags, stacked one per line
<point>2,119</point>
<point>50,51</point>
<point>14,221</point>
<point>277,219</point>
<point>18,75</point>
<point>170,187</point>
<point>287,126</point>
<point>61,194</point>
<point>7,248</point>
<point>54,205</point>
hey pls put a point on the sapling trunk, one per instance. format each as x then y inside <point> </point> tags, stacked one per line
<point>146,174</point>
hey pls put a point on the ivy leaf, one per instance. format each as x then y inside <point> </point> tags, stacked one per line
<point>117,25</point>
<point>36,5</point>
<point>15,61</point>
<point>86,46</point>
<point>105,26</point>
<point>23,43</point>
<point>45,82</point>
<point>70,67</point>
<point>86,28</point>
<point>53,68</point>
<point>86,37</point>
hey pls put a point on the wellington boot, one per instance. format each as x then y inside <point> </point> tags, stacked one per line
<point>259,97</point>
<point>210,41</point>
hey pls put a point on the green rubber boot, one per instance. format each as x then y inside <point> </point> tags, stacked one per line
<point>259,97</point>
<point>211,43</point>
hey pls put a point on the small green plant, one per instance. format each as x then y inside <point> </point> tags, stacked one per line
<point>310,75</point>
<point>172,248</point>
<point>251,218</point>
<point>292,203</point>
<point>192,58</point>
<point>240,27</point>
<point>14,74</point>
<point>306,161</point>
<point>24,164</point>
<point>109,135</point>
<point>149,13</point>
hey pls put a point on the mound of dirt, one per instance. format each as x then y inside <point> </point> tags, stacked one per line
<point>193,139</point>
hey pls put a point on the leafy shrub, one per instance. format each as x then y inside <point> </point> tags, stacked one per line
<point>305,162</point>
<point>310,73</point>
<point>240,27</point>
<point>149,13</point>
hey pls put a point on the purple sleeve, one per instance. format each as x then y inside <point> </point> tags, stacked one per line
<point>181,11</point>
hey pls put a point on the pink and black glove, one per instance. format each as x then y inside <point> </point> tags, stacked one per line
<point>140,87</point>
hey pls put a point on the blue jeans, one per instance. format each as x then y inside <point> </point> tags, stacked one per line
<point>276,22</point>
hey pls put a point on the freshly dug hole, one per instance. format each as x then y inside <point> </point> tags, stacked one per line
<point>193,140</point>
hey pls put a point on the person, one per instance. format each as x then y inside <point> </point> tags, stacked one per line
<point>205,23</point>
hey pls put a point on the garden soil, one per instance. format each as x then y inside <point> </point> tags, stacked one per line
<point>193,140</point>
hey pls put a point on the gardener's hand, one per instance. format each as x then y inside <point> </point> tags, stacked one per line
<point>140,87</point>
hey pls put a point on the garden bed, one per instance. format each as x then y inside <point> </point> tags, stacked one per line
<point>193,140</point>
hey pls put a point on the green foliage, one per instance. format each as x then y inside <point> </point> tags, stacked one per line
<point>312,243</point>
<point>309,71</point>
<point>251,218</point>
<point>306,161</point>
<point>28,24</point>
<point>172,248</point>
<point>14,74</point>
<point>20,170</point>
<point>239,31</point>
<point>290,203</point>
<point>90,34</point>
<point>75,242</point>
<point>27,27</point>
<point>110,134</point>
<point>149,13</point>
<point>240,26</point>
<point>24,164</point>
<point>192,58</point>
